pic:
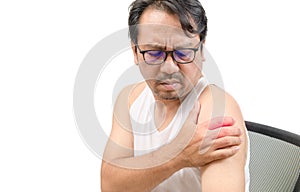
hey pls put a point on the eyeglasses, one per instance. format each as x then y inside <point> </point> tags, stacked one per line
<point>180,56</point>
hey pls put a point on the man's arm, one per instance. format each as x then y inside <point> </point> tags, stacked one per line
<point>121,171</point>
<point>227,174</point>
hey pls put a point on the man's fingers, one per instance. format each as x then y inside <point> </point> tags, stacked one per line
<point>224,153</point>
<point>211,136</point>
<point>225,142</point>
<point>215,144</point>
<point>223,132</point>
<point>218,122</point>
<point>229,131</point>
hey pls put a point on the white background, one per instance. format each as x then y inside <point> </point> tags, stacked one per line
<point>42,43</point>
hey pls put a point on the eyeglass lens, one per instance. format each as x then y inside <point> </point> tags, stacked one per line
<point>158,56</point>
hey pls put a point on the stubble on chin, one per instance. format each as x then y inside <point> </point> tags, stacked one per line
<point>177,94</point>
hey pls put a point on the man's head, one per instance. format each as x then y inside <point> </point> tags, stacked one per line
<point>167,37</point>
<point>191,15</point>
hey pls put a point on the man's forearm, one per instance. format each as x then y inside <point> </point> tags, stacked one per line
<point>116,178</point>
<point>143,173</point>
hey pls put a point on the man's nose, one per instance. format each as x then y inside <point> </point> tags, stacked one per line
<point>169,66</point>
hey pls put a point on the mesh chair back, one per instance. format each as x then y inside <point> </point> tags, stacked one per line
<point>274,159</point>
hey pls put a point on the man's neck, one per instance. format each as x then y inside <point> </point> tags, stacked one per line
<point>165,111</point>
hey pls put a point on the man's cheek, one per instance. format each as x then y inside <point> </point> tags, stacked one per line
<point>149,73</point>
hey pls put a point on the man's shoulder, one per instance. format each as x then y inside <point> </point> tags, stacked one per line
<point>214,92</point>
<point>131,92</point>
<point>216,101</point>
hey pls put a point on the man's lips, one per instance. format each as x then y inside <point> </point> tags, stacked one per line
<point>170,84</point>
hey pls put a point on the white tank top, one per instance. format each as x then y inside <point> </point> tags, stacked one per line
<point>147,138</point>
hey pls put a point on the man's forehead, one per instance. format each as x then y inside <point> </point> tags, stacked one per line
<point>161,30</point>
<point>165,34</point>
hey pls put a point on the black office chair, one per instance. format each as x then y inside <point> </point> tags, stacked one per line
<point>274,159</point>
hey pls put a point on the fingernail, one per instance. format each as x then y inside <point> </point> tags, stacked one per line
<point>236,148</point>
<point>240,131</point>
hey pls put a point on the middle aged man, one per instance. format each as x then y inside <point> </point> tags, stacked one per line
<point>174,132</point>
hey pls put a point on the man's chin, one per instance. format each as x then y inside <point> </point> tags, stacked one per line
<point>171,96</point>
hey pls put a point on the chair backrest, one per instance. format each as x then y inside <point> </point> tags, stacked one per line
<point>274,159</point>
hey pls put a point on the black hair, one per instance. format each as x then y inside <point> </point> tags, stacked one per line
<point>184,9</point>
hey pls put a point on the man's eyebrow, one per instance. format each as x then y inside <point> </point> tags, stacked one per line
<point>186,45</point>
<point>153,46</point>
<point>162,47</point>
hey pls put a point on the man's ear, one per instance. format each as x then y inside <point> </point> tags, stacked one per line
<point>134,51</point>
<point>202,52</point>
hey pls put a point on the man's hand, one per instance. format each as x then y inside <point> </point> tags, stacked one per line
<point>203,143</point>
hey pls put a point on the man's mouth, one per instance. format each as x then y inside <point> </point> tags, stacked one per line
<point>170,84</point>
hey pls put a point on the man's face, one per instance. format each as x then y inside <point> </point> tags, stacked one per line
<point>159,30</point>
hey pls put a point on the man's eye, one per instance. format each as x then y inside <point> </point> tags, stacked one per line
<point>155,53</point>
<point>183,53</point>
